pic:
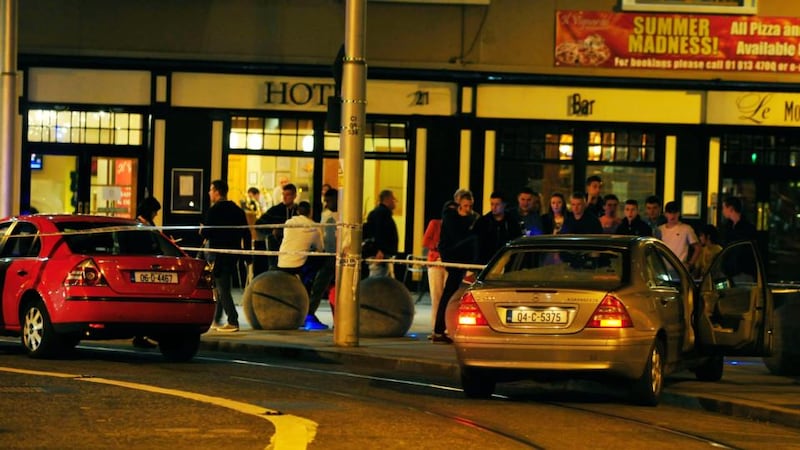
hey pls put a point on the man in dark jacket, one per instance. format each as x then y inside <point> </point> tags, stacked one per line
<point>495,228</point>
<point>381,228</point>
<point>225,228</point>
<point>632,224</point>
<point>580,221</point>
<point>276,215</point>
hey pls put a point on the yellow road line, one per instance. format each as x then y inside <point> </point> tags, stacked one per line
<point>291,432</point>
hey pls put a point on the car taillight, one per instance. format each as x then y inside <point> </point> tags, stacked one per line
<point>85,273</point>
<point>469,313</point>
<point>610,313</point>
<point>206,280</point>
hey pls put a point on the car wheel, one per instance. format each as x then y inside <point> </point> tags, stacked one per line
<point>179,347</point>
<point>647,389</point>
<point>710,369</point>
<point>477,383</point>
<point>38,336</point>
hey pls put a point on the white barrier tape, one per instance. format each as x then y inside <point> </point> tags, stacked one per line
<point>257,252</point>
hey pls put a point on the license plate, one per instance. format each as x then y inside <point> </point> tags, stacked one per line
<point>155,277</point>
<point>528,315</point>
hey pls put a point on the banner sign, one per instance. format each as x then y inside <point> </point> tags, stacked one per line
<point>677,41</point>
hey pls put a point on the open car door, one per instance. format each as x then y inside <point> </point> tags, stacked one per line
<point>735,317</point>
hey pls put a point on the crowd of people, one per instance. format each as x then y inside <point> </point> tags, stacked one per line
<point>468,238</point>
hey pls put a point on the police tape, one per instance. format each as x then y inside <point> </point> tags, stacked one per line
<point>344,255</point>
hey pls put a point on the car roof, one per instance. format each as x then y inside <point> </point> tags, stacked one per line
<point>581,240</point>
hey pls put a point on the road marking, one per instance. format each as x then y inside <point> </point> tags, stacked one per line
<point>291,432</point>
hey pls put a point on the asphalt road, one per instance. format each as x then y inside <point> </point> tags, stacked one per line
<point>110,396</point>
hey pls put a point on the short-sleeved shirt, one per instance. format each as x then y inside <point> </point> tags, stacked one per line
<point>679,238</point>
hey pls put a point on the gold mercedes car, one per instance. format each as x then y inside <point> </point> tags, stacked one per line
<point>602,306</point>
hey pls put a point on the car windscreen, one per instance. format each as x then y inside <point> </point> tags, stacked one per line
<point>599,268</point>
<point>93,238</point>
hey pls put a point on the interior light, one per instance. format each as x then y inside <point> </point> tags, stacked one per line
<point>308,143</point>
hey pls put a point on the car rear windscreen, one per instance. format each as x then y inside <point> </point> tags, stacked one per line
<point>93,238</point>
<point>602,269</point>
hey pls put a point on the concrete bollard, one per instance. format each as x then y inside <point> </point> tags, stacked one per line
<point>386,308</point>
<point>275,300</point>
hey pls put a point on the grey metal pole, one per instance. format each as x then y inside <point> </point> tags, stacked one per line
<point>354,105</point>
<point>8,104</point>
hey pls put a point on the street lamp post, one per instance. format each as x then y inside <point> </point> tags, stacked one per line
<point>353,119</point>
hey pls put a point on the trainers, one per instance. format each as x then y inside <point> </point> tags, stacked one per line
<point>228,328</point>
<point>312,323</point>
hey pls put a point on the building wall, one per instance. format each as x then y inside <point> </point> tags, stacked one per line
<point>514,36</point>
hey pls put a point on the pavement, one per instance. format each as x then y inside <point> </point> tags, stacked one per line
<point>747,388</point>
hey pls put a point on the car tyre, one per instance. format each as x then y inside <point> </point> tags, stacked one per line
<point>38,336</point>
<point>477,383</point>
<point>179,347</point>
<point>710,369</point>
<point>647,389</point>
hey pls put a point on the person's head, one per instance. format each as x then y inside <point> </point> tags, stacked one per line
<point>557,203</point>
<point>218,191</point>
<point>672,212</point>
<point>465,204</point>
<point>708,235</point>
<point>304,209</point>
<point>577,203</point>
<point>253,192</point>
<point>148,209</point>
<point>459,193</point>
<point>631,209</point>
<point>325,188</point>
<point>732,208</point>
<point>526,200</point>
<point>610,205</point>
<point>283,180</point>
<point>331,199</point>
<point>388,199</point>
<point>497,204</point>
<point>593,185</point>
<point>450,204</point>
<point>289,194</point>
<point>652,207</point>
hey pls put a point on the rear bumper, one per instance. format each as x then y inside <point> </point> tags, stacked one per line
<point>121,317</point>
<point>567,355</point>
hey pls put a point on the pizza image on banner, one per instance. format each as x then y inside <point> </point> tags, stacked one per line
<point>590,51</point>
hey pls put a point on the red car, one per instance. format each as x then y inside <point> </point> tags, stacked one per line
<point>66,278</point>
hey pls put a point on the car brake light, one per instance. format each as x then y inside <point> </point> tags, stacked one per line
<point>469,313</point>
<point>85,273</point>
<point>610,313</point>
<point>206,280</point>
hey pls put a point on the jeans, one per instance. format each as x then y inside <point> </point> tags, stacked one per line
<point>454,278</point>
<point>222,289</point>
<point>322,281</point>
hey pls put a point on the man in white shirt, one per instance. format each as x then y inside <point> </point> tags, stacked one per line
<point>299,235</point>
<point>679,236</point>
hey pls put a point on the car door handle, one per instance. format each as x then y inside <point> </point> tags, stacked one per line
<point>666,300</point>
<point>22,273</point>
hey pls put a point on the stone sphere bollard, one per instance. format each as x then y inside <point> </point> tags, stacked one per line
<point>275,300</point>
<point>386,308</point>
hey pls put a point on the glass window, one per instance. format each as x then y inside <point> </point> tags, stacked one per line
<point>762,150</point>
<point>271,133</point>
<point>560,267</point>
<point>621,146</point>
<point>23,241</point>
<point>84,127</point>
<point>89,239</point>
<point>380,137</point>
